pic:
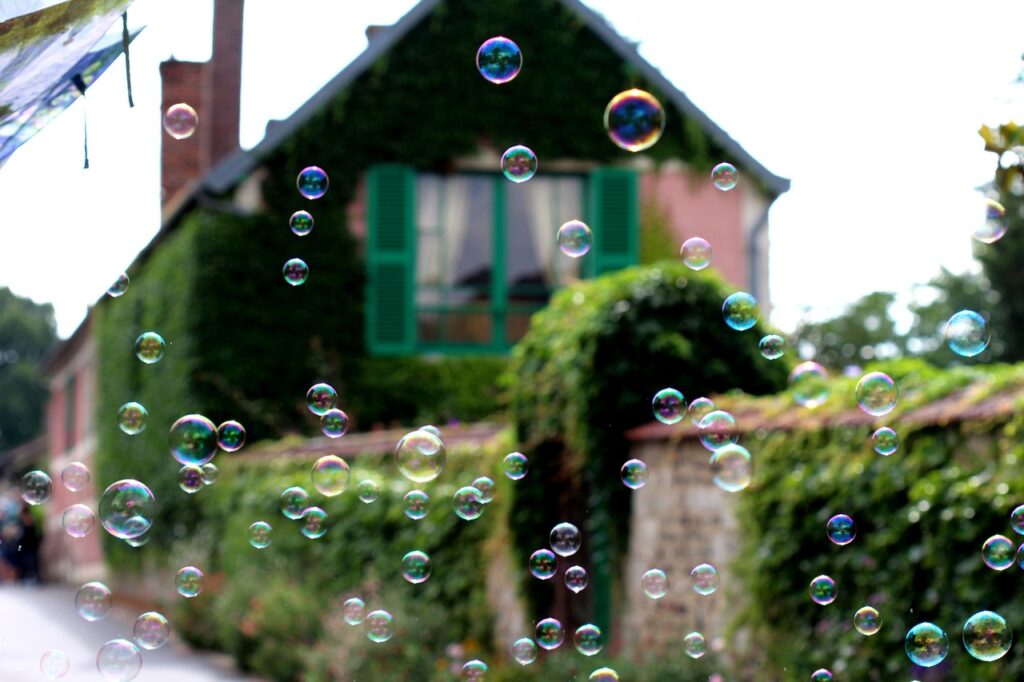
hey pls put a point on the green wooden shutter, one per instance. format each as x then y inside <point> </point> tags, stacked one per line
<point>614,213</point>
<point>390,260</point>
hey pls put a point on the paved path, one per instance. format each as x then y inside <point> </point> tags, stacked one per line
<point>34,620</point>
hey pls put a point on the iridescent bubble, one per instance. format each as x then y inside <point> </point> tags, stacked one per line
<point>36,487</point>
<point>210,473</point>
<point>634,474</point>
<point>524,651</point>
<point>877,394</point>
<point>75,476</point>
<point>420,456</point>
<point>468,503</point>
<point>725,176</point>
<point>740,311</point>
<point>550,634</point>
<point>718,429</point>
<point>668,405</point>
<point>369,491</point>
<point>330,475</point>
<point>334,423</point>
<point>993,226</point>
<point>565,539</point>
<point>809,383</point>
<point>705,579</point>
<point>867,621</point>
<point>295,271</point>
<point>486,487</point>
<point>312,182</point>
<point>321,398</point>
<point>499,60</point>
<point>696,253</point>
<point>151,630</point>
<point>998,552</point>
<point>416,504</point>
<point>515,465</point>
<point>314,523</point>
<point>294,501</point>
<point>966,333</point>
<point>519,163</point>
<point>131,418</point>
<point>301,223</point>
<point>574,238</point>
<point>93,601</point>
<point>772,346</point>
<point>603,675</point>
<point>193,440</point>
<point>821,675</point>
<point>431,429</point>
<point>588,639</point>
<point>380,626</point>
<point>543,564</point>
<point>732,468</point>
<point>885,441</point>
<point>119,660</point>
<point>841,529</point>
<point>150,347</point>
<point>987,636</point>
<point>119,287</point>
<point>416,567</point>
<point>127,508</point>
<point>699,409</point>
<point>1017,520</point>
<point>654,583</point>
<point>634,120</point>
<point>54,664</point>
<point>78,520</point>
<point>137,542</point>
<point>259,534</point>
<point>575,577</point>
<point>180,121</point>
<point>694,645</point>
<point>190,478</point>
<point>230,436</point>
<point>189,582</point>
<point>926,645</point>
<point>353,611</point>
<point>473,671</point>
<point>823,590</point>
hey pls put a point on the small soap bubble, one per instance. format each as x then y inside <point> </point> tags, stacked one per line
<point>294,501</point>
<point>821,675</point>
<point>543,564</point>
<point>1017,520</point>
<point>380,626</point>
<point>190,478</point>
<point>634,474</point>
<point>151,630</point>
<point>353,611</point>
<point>321,398</point>
<point>131,418</point>
<point>230,436</point>
<point>926,645</point>
<point>732,467</point>
<point>699,409</point>
<point>368,490</point>
<point>877,393</point>
<point>301,223</point>
<point>189,582</point>
<point>75,476</point>
<point>740,311</point>
<point>550,634</point>
<point>119,287</point>
<point>565,539</point>
<point>314,523</point>
<point>524,651</point>
<point>718,429</point>
<point>966,333</point>
<point>499,60</point>
<point>725,176</point>
<point>987,636</point>
<point>416,504</point>
<point>668,405</point>
<point>193,440</point>
<point>694,645</point>
<point>772,346</point>
<point>993,224</point>
<point>603,675</point>
<point>295,271</point>
<point>867,621</point>
<point>998,552</point>
<point>259,534</point>
<point>420,456</point>
<point>473,671</point>
<point>654,583</point>
<point>809,383</point>
<point>588,639</point>
<point>93,601</point>
<point>210,473</point>
<point>575,578</point>
<point>54,664</point>
<point>468,503</point>
<point>330,475</point>
<point>180,121</point>
<point>696,253</point>
<point>150,347</point>
<point>416,567</point>
<point>36,487</point>
<point>78,520</point>
<point>119,660</point>
<point>634,120</point>
<point>823,590</point>
<point>486,487</point>
<point>515,465</point>
<point>885,441</point>
<point>519,163</point>
<point>334,423</point>
<point>574,238</point>
<point>841,529</point>
<point>312,182</point>
<point>127,508</point>
<point>705,579</point>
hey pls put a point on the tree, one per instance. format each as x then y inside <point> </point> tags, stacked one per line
<point>949,293</point>
<point>27,332</point>
<point>864,331</point>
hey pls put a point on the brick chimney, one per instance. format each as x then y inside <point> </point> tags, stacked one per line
<point>213,88</point>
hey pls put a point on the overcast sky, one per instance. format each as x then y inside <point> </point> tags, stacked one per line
<point>871,108</point>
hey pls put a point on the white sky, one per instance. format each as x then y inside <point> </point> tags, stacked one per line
<point>871,108</point>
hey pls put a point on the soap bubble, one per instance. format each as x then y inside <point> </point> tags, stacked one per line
<point>93,601</point>
<point>294,501</point>
<point>867,621</point>
<point>312,182</point>
<point>731,468</point>
<point>634,474</point>
<point>321,398</point>
<point>295,271</point>
<point>987,636</point>
<point>119,287</point>
<point>189,582</point>
<point>54,664</point>
<point>550,634</point>
<point>885,441</point>
<point>301,223</point>
<point>668,405</point>
<point>468,503</point>
<point>78,520</point>
<point>994,225</point>
<point>499,60</point>
<point>486,487</point>
<point>740,311</point>
<point>718,429</point>
<point>314,523</point>
<point>380,626</point>
<point>634,120</point>
<point>473,671</point>
<point>127,508</point>
<point>193,440</point>
<point>151,630</point>
<point>694,645</point>
<point>190,478</point>
<point>515,465</point>
<point>877,394</point>
<point>588,639</point>
<point>543,564</point>
<point>823,590</point>
<point>334,423</point>
<point>603,675</point>
<point>420,456</point>
<point>574,238</point>
<point>259,534</point>
<point>821,675</point>
<point>353,610</point>
<point>131,418</point>
<point>998,552</point>
<point>210,473</point>
<point>150,347</point>
<point>524,651</point>
<point>725,176</point>
<point>926,645</point>
<point>654,583</point>
<point>230,436</point>
<point>519,163</point>
<point>565,539</point>
<point>75,476</point>
<point>330,475</point>
<point>1017,520</point>
<point>696,253</point>
<point>966,333</point>
<point>841,529</point>
<point>416,567</point>
<point>705,579</point>
<point>369,491</point>
<point>180,121</point>
<point>772,346</point>
<point>36,487</point>
<point>809,383</point>
<point>416,504</point>
<point>699,409</point>
<point>119,660</point>
<point>429,428</point>
<point>575,578</point>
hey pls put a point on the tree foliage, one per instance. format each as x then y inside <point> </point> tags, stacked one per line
<point>27,332</point>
